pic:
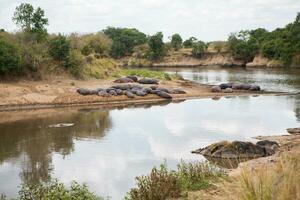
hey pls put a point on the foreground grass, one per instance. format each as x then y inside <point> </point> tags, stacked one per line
<point>146,73</point>
<point>54,190</point>
<point>163,183</point>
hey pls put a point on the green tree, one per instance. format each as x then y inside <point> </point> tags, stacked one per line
<point>124,40</point>
<point>60,48</point>
<point>30,19</point>
<point>10,57</point>
<point>156,46</point>
<point>198,48</point>
<point>176,41</point>
<point>189,42</point>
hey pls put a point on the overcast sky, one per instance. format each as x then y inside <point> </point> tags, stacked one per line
<point>207,20</point>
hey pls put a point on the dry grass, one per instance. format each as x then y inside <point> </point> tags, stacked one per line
<point>277,181</point>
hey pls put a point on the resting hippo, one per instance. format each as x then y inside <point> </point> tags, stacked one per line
<point>122,87</point>
<point>228,90</point>
<point>148,81</point>
<point>113,93</point>
<point>254,88</point>
<point>140,93</point>
<point>223,86</point>
<point>163,94</point>
<point>123,80</point>
<point>84,91</point>
<point>245,86</point>
<point>134,78</point>
<point>177,91</point>
<point>103,93</point>
<point>216,89</point>
<point>129,94</point>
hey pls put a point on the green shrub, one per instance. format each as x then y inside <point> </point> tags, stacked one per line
<point>10,57</point>
<point>198,48</point>
<point>156,46</point>
<point>145,73</point>
<point>55,190</point>
<point>176,41</point>
<point>76,63</point>
<point>163,183</point>
<point>59,48</point>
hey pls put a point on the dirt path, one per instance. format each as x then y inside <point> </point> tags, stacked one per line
<point>62,92</point>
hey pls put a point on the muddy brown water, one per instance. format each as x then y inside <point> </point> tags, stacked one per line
<point>107,148</point>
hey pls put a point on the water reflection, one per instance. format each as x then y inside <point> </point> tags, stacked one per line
<point>107,148</point>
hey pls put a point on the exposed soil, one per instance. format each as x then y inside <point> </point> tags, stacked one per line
<point>61,91</point>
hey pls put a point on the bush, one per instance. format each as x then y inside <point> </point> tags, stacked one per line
<point>156,46</point>
<point>55,190</point>
<point>96,43</point>
<point>176,41</point>
<point>75,63</point>
<point>189,42</point>
<point>145,73</point>
<point>10,57</point>
<point>163,183</point>
<point>198,48</point>
<point>59,48</point>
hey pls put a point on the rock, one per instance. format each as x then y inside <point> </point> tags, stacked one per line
<point>134,78</point>
<point>236,149</point>
<point>148,81</point>
<point>228,90</point>
<point>122,87</point>
<point>270,146</point>
<point>84,91</point>
<point>123,80</point>
<point>129,94</point>
<point>293,131</point>
<point>216,89</point>
<point>163,94</point>
<point>254,88</point>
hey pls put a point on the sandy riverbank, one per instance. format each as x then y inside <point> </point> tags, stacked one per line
<point>59,92</point>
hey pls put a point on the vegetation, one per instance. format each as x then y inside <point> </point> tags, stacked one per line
<point>156,46</point>
<point>163,183</point>
<point>272,182</point>
<point>281,44</point>
<point>176,41</point>
<point>189,42</point>
<point>55,190</point>
<point>145,73</point>
<point>198,48</point>
<point>10,57</point>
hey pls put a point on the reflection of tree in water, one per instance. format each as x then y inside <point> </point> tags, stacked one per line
<point>33,142</point>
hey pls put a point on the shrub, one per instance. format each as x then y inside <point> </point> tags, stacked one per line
<point>75,63</point>
<point>163,183</point>
<point>10,57</point>
<point>176,41</point>
<point>55,190</point>
<point>100,68</point>
<point>198,48</point>
<point>95,43</point>
<point>145,73</point>
<point>59,48</point>
<point>189,42</point>
<point>156,46</point>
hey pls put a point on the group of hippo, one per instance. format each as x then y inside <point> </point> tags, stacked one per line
<point>132,90</point>
<point>229,87</point>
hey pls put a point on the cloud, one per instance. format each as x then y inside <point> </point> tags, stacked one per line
<point>206,19</point>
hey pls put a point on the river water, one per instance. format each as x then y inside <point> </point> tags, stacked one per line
<point>107,148</point>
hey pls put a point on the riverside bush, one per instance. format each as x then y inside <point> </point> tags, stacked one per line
<point>10,57</point>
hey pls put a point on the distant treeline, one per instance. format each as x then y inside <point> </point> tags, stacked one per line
<point>32,48</point>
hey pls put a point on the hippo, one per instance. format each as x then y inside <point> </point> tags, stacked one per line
<point>163,89</point>
<point>140,93</point>
<point>228,90</point>
<point>177,91</point>
<point>122,87</point>
<point>134,78</point>
<point>153,87</point>
<point>245,86</point>
<point>216,89</point>
<point>84,91</point>
<point>119,91</point>
<point>148,81</point>
<point>129,94</point>
<point>223,86</point>
<point>237,86</point>
<point>113,93</point>
<point>147,90</point>
<point>104,94</point>
<point>123,80</point>
<point>163,94</point>
<point>254,88</point>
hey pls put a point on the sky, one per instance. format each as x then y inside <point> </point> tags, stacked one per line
<point>208,20</point>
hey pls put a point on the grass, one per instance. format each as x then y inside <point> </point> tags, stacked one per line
<point>100,68</point>
<point>280,181</point>
<point>146,73</point>
<point>163,183</point>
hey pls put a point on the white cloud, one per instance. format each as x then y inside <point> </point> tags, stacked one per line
<point>205,19</point>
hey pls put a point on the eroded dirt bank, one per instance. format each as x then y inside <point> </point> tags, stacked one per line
<point>62,92</point>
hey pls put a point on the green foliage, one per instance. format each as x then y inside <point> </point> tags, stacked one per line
<point>145,73</point>
<point>31,20</point>
<point>59,48</point>
<point>189,42</point>
<point>55,190</point>
<point>198,48</point>
<point>96,43</point>
<point>75,63</point>
<point>176,41</point>
<point>163,183</point>
<point>156,46</point>
<point>124,40</point>
<point>10,57</point>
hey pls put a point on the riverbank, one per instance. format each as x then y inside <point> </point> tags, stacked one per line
<point>260,172</point>
<point>60,91</point>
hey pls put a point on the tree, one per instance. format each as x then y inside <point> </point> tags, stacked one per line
<point>176,41</point>
<point>189,42</point>
<point>198,48</point>
<point>30,19</point>
<point>156,46</point>
<point>60,48</point>
<point>124,40</point>
<point>10,57</point>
